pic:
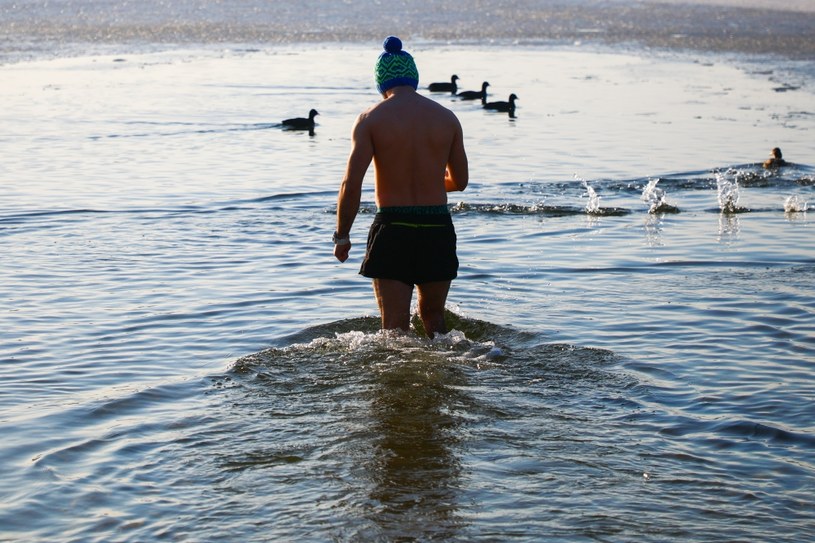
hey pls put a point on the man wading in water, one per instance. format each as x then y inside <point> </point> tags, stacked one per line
<point>418,151</point>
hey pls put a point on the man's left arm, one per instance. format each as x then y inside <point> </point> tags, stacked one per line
<point>457,175</point>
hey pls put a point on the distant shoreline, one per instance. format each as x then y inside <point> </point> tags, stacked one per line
<point>806,6</point>
<point>43,29</point>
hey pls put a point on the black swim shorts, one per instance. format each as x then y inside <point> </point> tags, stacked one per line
<point>415,246</point>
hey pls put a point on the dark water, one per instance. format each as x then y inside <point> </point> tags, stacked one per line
<point>634,322</point>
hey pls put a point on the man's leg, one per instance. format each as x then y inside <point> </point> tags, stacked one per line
<point>393,298</point>
<point>432,298</point>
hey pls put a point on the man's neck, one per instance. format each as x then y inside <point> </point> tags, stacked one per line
<point>401,90</point>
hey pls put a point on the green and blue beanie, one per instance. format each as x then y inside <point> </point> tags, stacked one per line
<point>395,67</point>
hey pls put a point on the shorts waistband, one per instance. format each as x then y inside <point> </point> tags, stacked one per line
<point>415,210</point>
<point>416,220</point>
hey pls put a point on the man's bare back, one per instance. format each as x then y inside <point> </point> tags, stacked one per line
<point>415,139</point>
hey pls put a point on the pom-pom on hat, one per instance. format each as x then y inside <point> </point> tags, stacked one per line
<point>395,67</point>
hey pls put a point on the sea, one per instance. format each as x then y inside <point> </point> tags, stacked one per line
<point>631,354</point>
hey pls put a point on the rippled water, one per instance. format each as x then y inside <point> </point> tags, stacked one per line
<point>183,359</point>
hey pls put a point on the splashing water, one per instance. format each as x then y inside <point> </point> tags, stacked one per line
<point>593,205</point>
<point>653,196</point>
<point>795,204</point>
<point>728,190</point>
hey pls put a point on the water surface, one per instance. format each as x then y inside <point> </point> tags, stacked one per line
<point>182,358</point>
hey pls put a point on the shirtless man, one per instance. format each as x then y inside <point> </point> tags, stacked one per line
<point>417,148</point>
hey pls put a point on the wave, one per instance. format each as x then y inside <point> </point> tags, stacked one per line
<point>168,130</point>
<point>470,341</point>
<point>15,218</point>
<point>749,175</point>
<point>738,433</point>
<point>662,194</point>
<point>533,209</point>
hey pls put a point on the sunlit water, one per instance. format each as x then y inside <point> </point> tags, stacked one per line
<point>183,359</point>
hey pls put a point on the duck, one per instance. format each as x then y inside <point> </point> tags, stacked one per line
<point>475,95</point>
<point>776,159</point>
<point>300,123</point>
<point>506,107</point>
<point>450,87</point>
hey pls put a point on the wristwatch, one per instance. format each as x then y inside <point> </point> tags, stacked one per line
<point>340,241</point>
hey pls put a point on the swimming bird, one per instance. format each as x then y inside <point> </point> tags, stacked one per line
<point>300,123</point>
<point>506,107</point>
<point>776,159</point>
<point>475,95</point>
<point>444,87</point>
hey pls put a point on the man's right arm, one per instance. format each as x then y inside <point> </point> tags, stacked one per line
<point>350,194</point>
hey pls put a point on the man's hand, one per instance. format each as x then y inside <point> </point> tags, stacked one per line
<point>341,251</point>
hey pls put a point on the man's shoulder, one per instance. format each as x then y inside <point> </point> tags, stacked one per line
<point>429,108</point>
<point>418,107</point>
<point>375,110</point>
<point>430,103</point>
<point>369,115</point>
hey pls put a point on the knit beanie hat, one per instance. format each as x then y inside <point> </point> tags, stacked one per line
<point>395,67</point>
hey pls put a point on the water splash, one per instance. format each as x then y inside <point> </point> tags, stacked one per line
<point>360,340</point>
<point>727,184</point>
<point>593,205</point>
<point>653,196</point>
<point>795,204</point>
